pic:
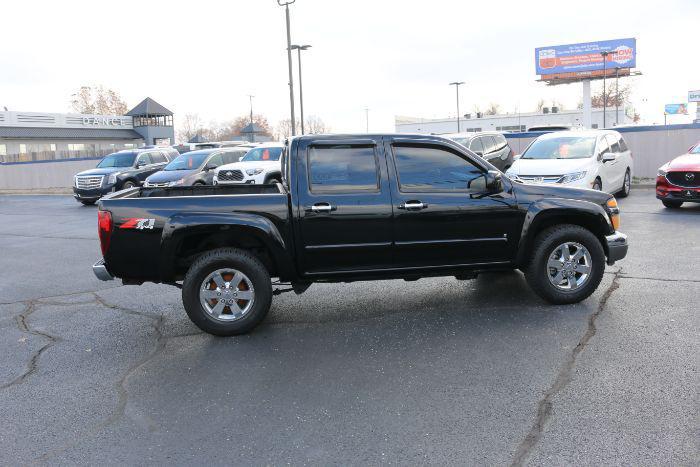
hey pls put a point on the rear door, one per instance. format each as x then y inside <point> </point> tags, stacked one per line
<point>443,213</point>
<point>615,169</point>
<point>344,206</point>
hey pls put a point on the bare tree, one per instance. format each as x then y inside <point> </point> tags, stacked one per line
<point>316,126</point>
<point>620,98</point>
<point>232,129</point>
<point>540,105</point>
<point>493,109</point>
<point>191,125</point>
<point>283,129</point>
<point>98,100</point>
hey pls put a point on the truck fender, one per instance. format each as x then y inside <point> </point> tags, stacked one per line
<point>585,213</point>
<point>181,226</point>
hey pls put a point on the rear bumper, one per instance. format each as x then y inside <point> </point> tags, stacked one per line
<point>101,272</point>
<point>616,246</point>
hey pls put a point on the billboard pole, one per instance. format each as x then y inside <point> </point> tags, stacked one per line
<point>605,95</point>
<point>587,117</point>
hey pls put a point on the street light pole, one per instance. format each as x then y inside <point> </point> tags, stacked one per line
<point>456,84</point>
<point>299,48</point>
<point>286,4</point>
<point>605,95</point>
<point>366,119</point>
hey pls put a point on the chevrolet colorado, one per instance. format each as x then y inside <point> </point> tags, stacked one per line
<point>356,207</point>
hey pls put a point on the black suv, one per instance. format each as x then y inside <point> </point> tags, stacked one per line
<point>491,146</point>
<point>118,171</point>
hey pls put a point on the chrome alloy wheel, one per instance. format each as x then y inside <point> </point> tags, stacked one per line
<point>227,294</point>
<point>569,266</point>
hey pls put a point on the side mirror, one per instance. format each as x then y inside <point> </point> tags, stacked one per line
<point>609,157</point>
<point>209,167</point>
<point>494,181</point>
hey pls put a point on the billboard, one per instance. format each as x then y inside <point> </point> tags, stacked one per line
<point>676,109</point>
<point>586,57</point>
<point>693,96</point>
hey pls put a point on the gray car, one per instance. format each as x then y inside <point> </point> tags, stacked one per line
<point>491,146</point>
<point>194,167</point>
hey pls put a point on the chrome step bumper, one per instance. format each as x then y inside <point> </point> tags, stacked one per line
<point>101,272</point>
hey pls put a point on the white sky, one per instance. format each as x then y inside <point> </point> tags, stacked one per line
<point>395,57</point>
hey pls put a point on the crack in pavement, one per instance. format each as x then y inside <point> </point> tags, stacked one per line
<point>563,378</point>
<point>70,294</point>
<point>24,326</point>
<point>625,276</point>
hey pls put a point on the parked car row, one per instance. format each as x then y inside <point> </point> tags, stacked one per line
<point>152,167</point>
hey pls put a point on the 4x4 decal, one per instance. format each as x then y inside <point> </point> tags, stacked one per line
<point>138,223</point>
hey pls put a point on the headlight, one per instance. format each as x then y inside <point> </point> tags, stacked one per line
<point>568,178</point>
<point>112,179</point>
<point>661,173</point>
<point>177,182</point>
<point>253,171</point>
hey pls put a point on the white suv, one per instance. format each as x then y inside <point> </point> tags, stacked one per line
<point>598,159</point>
<point>259,166</point>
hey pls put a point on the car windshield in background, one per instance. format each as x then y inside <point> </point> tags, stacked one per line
<point>696,150</point>
<point>263,154</point>
<point>565,147</point>
<point>125,159</point>
<point>188,161</point>
<point>463,141</point>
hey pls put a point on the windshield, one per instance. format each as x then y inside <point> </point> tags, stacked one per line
<point>695,150</point>
<point>119,159</point>
<point>463,141</point>
<point>564,147</point>
<point>188,161</point>
<point>263,154</point>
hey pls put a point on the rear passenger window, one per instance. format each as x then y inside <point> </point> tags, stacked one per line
<point>489,144</point>
<point>342,168</point>
<point>427,168</point>
<point>157,158</point>
<point>476,146</point>
<point>623,145</point>
<point>613,142</point>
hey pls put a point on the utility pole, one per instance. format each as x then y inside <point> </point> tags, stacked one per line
<point>366,119</point>
<point>252,126</point>
<point>299,48</point>
<point>605,95</point>
<point>456,84</point>
<point>286,4</point>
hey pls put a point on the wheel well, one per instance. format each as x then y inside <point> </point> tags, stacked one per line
<point>588,222</point>
<point>194,245</point>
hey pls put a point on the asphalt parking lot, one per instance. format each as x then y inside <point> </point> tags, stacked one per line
<point>435,371</point>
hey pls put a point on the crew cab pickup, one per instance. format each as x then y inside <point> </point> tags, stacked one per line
<point>350,208</point>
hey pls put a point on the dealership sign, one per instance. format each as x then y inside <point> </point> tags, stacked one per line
<point>586,58</point>
<point>693,96</point>
<point>676,109</point>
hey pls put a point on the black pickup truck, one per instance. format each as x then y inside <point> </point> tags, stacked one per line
<point>356,207</point>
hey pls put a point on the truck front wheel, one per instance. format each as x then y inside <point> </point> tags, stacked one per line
<point>227,291</point>
<point>566,265</point>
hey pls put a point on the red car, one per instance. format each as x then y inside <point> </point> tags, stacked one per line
<point>678,181</point>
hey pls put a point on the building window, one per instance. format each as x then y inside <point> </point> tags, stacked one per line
<point>36,152</point>
<point>3,153</point>
<point>153,120</point>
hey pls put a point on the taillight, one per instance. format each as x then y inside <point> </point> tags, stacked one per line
<point>104,229</point>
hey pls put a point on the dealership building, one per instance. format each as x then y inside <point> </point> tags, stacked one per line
<point>40,150</point>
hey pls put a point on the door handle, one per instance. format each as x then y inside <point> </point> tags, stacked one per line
<point>413,205</point>
<point>322,207</point>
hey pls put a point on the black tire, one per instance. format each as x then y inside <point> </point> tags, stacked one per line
<point>272,179</point>
<point>198,184</point>
<point>88,202</point>
<point>128,184</point>
<point>626,185</point>
<point>537,271</point>
<point>598,185</point>
<point>232,258</point>
<point>672,204</point>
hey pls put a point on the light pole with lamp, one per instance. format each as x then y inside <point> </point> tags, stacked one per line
<point>605,95</point>
<point>456,84</point>
<point>252,135</point>
<point>617,95</point>
<point>299,48</point>
<point>286,4</point>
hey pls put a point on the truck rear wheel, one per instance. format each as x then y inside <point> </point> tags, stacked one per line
<point>227,291</point>
<point>567,264</point>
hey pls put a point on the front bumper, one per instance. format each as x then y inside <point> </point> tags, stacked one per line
<point>101,272</point>
<point>666,191</point>
<point>92,195</point>
<point>616,246</point>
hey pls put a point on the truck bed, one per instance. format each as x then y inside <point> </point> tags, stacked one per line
<point>198,191</point>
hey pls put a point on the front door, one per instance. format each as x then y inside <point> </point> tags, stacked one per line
<point>344,206</point>
<point>443,213</point>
